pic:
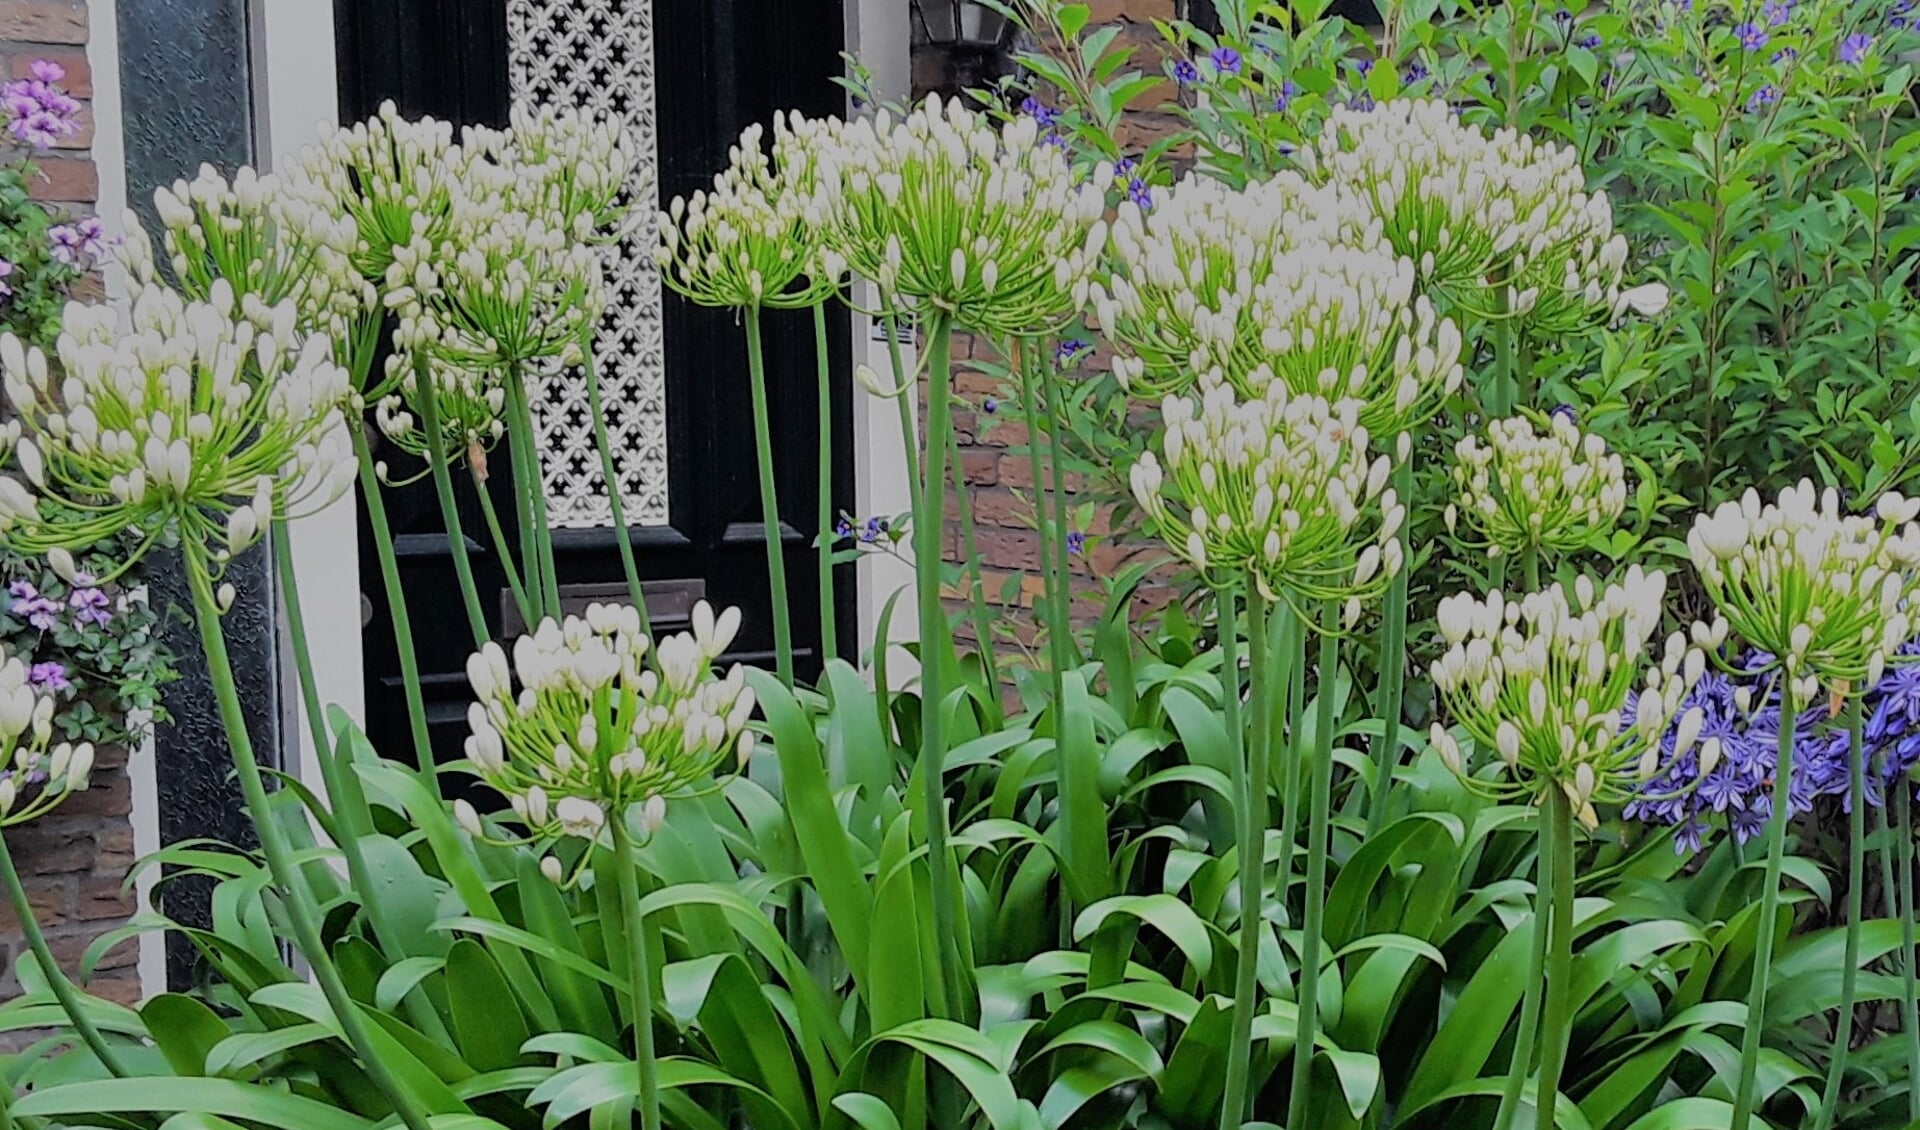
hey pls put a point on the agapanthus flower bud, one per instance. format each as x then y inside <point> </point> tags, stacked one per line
<point>1547,488</point>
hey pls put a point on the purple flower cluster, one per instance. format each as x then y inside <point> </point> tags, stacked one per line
<point>88,604</point>
<point>84,238</point>
<point>1739,789</point>
<point>39,113</point>
<point>50,677</point>
<point>1070,350</point>
<point>868,532</point>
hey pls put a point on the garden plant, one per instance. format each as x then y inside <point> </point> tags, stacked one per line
<point>1530,743</point>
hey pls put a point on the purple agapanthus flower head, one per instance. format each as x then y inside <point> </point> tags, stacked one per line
<point>1226,61</point>
<point>1752,36</point>
<point>50,676</point>
<point>1854,48</point>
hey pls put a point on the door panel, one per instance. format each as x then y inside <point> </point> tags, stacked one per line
<point>684,437</point>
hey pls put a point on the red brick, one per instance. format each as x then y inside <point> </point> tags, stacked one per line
<point>975,385</point>
<point>1002,508</point>
<point>103,898</point>
<point>1010,549</point>
<point>120,989</point>
<point>66,179</point>
<point>1005,433</point>
<point>1015,471</point>
<point>114,847</point>
<point>43,21</point>
<point>52,903</point>
<point>110,797</point>
<point>1137,11</point>
<point>79,80</point>
<point>69,951</point>
<point>54,847</point>
<point>982,468</point>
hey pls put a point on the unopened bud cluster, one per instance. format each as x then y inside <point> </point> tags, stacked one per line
<point>951,216</point>
<point>603,721</point>
<point>197,422</point>
<point>35,774</point>
<point>1544,682</point>
<point>1527,487</point>
<point>1282,489</point>
<point>755,239</point>
<point>470,406</point>
<point>1499,224</point>
<point>1828,594</point>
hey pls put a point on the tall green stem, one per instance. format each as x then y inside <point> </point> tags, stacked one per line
<point>429,394</point>
<point>823,526</point>
<point>500,546</point>
<point>929,529</point>
<point>302,916</point>
<point>1499,401</point>
<point>397,611</point>
<point>63,990</point>
<point>1320,802</point>
<point>640,975</point>
<point>1293,747</point>
<point>536,535</point>
<point>1900,795</point>
<point>1253,819</point>
<point>1744,1100</point>
<point>1521,1063</point>
<point>904,401</point>
<point>1558,1025</point>
<point>1530,568</point>
<point>610,473</point>
<point>1233,1110</point>
<point>1060,593</point>
<point>1393,665</point>
<point>348,815</point>
<point>1050,551</point>
<point>769,500</point>
<point>1856,882</point>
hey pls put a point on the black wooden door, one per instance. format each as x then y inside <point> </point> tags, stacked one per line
<point>719,65</point>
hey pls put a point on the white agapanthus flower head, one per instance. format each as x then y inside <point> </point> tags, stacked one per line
<point>1282,490</point>
<point>578,166</point>
<point>1827,593</point>
<point>1543,683</point>
<point>471,405</point>
<point>603,722</point>
<point>1180,299</point>
<point>36,774</point>
<point>197,421</point>
<point>952,216</point>
<point>272,240</point>
<point>1528,485</point>
<point>755,239</point>
<point>1499,225</point>
<point>393,177</point>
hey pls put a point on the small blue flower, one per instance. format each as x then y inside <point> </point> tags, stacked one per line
<point>1125,167</point>
<point>1058,141</point>
<point>1076,543</point>
<point>1854,48</point>
<point>1185,73</point>
<point>989,406</point>
<point>1226,61</point>
<point>1285,97</point>
<point>1752,36</point>
<point>1591,41</point>
<point>1140,194</point>
<point>1040,112</point>
<point>1762,98</point>
<point>1565,412</point>
<point>1785,56</point>
<point>1777,12</point>
<point>843,528</point>
<point>1070,350</point>
<point>1415,72</point>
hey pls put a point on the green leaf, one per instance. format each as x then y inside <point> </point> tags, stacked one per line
<point>866,1111</point>
<point>1165,913</point>
<point>222,1097</point>
<point>1083,815</point>
<point>486,1021</point>
<point>184,1029</point>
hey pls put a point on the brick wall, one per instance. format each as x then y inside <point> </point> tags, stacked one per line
<point>75,862</point>
<point>999,475</point>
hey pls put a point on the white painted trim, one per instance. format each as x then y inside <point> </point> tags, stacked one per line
<point>879,36</point>
<point>296,90</point>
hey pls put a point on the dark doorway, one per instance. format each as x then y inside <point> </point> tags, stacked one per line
<point>719,65</point>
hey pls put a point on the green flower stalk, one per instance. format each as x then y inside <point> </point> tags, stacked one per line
<point>1526,491</point>
<point>203,423</point>
<point>1553,684</point>
<point>1828,594</point>
<point>1278,493</point>
<point>963,225</point>
<point>597,738</point>
<point>755,243</point>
